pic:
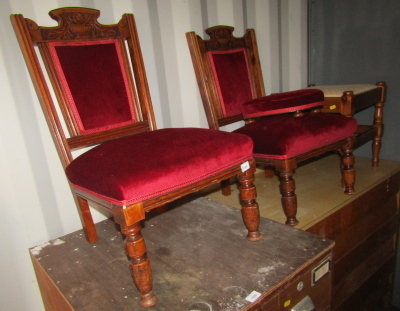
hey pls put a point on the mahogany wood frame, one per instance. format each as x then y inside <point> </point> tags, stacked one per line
<point>221,38</point>
<point>29,35</point>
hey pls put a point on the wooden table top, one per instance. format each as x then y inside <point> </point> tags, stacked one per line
<point>198,253</point>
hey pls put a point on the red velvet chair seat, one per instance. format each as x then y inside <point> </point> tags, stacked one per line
<point>283,103</point>
<point>173,159</point>
<point>284,136</point>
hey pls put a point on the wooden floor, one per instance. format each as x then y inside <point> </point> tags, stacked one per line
<point>318,189</point>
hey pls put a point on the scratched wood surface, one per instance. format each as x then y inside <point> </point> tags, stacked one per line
<point>200,257</point>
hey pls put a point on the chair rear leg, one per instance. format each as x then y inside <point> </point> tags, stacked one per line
<point>162,209</point>
<point>250,210</point>
<point>287,189</point>
<point>226,187</point>
<point>348,171</point>
<point>269,172</point>
<point>140,264</point>
<point>87,221</point>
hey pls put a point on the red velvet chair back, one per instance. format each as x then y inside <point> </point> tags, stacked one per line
<point>91,77</point>
<point>231,73</point>
<point>94,101</point>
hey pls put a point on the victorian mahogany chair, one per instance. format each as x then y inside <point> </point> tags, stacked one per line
<point>286,128</point>
<point>349,99</point>
<point>133,167</point>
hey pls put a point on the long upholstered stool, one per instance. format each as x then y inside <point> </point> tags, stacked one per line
<point>349,99</point>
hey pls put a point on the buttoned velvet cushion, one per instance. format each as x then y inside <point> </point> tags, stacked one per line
<point>284,136</point>
<point>139,167</point>
<point>283,103</point>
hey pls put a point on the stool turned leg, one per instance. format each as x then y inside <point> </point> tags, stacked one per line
<point>348,171</point>
<point>287,189</point>
<point>250,210</point>
<point>140,265</point>
<point>378,123</point>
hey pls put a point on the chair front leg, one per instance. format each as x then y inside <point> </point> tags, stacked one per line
<point>250,210</point>
<point>287,189</point>
<point>348,171</point>
<point>140,264</point>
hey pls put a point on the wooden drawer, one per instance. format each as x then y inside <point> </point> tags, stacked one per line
<point>301,285</point>
<point>373,291</point>
<point>365,233</point>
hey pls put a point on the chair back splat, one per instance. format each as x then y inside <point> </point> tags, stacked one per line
<point>80,56</point>
<point>102,100</point>
<point>286,128</point>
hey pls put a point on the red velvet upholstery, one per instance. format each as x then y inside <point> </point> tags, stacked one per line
<point>283,103</point>
<point>232,78</point>
<point>231,85</point>
<point>283,136</point>
<point>85,68</point>
<point>103,99</point>
<point>277,137</point>
<point>174,158</point>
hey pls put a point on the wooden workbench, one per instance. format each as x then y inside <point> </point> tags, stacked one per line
<point>201,260</point>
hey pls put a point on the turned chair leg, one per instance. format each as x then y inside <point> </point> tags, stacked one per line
<point>87,221</point>
<point>287,189</point>
<point>250,210</point>
<point>140,264</point>
<point>348,171</point>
